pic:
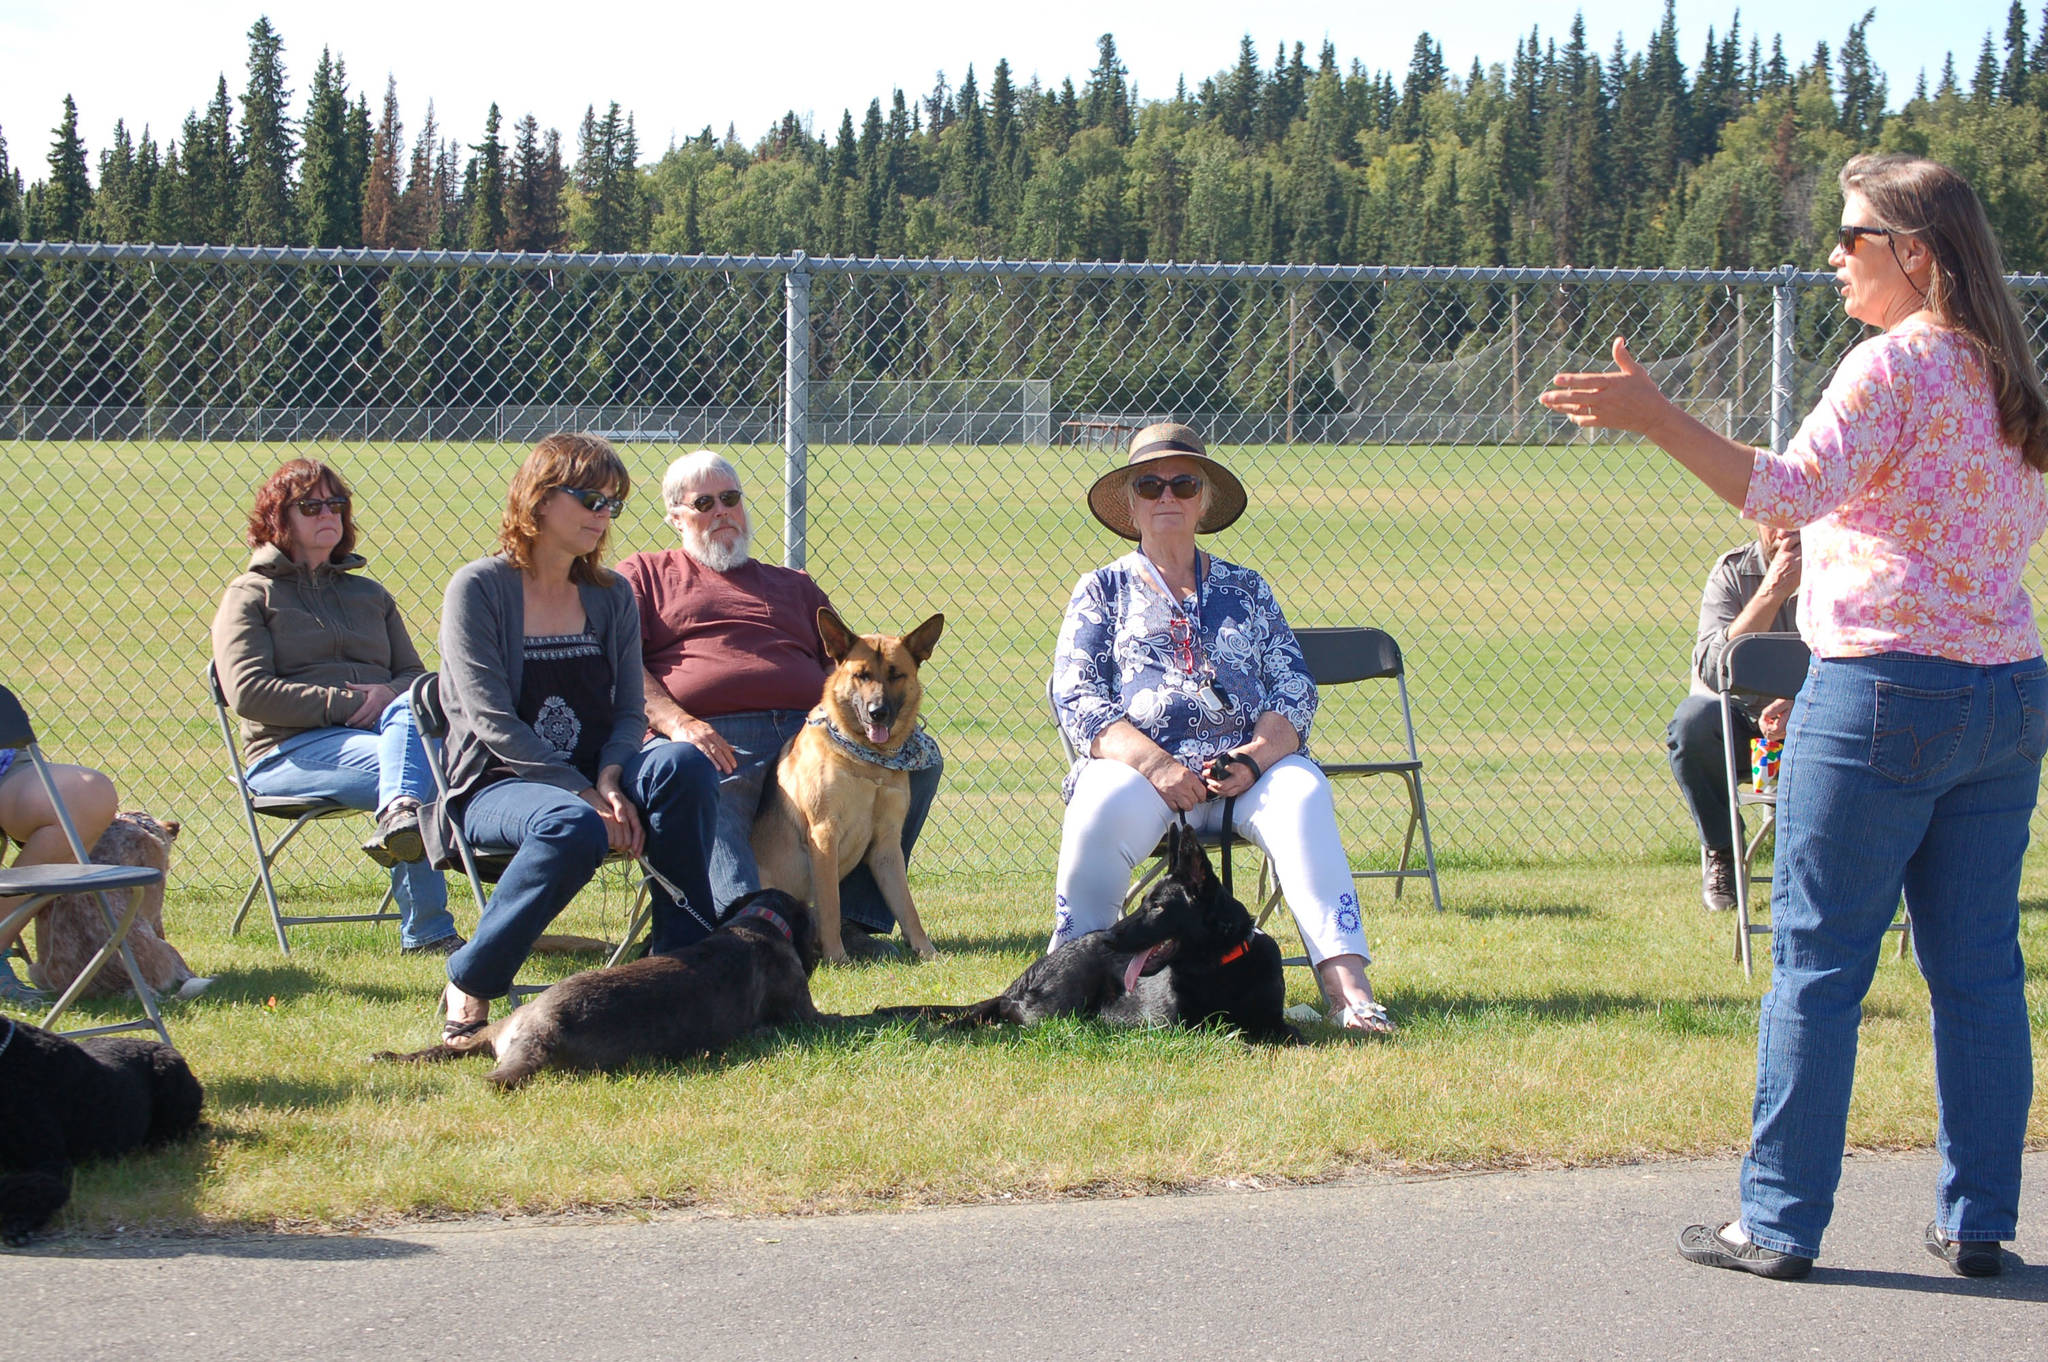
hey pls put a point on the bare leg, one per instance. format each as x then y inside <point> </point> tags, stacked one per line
<point>27,816</point>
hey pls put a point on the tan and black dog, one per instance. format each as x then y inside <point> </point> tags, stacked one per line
<point>836,802</point>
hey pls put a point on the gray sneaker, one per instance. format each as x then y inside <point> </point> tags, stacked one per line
<point>13,990</point>
<point>1717,879</point>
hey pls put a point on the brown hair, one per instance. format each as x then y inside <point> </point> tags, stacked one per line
<point>564,459</point>
<point>270,517</point>
<point>1966,291</point>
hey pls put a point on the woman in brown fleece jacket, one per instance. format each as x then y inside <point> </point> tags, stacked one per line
<point>316,661</point>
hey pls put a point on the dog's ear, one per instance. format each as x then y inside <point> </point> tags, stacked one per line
<point>920,641</point>
<point>839,640</point>
<point>1190,862</point>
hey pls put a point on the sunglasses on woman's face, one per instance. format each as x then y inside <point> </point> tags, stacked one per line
<point>704,501</point>
<point>1847,237</point>
<point>311,507</point>
<point>1150,486</point>
<point>590,499</point>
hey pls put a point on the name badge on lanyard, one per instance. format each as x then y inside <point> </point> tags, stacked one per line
<point>1216,703</point>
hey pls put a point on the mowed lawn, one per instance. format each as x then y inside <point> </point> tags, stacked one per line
<point>1572,1005</point>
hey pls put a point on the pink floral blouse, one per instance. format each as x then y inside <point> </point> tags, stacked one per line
<point>1916,514</point>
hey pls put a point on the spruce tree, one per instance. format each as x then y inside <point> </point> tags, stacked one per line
<point>331,215</point>
<point>267,146</point>
<point>1106,101</point>
<point>213,172</point>
<point>381,188</point>
<point>2012,85</point>
<point>533,197</point>
<point>487,220</point>
<point>418,224</point>
<point>67,196</point>
<point>10,197</point>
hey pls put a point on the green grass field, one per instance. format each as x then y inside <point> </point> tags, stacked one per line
<point>1544,596</point>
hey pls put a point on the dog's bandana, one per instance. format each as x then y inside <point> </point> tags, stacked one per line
<point>918,753</point>
<point>771,917</point>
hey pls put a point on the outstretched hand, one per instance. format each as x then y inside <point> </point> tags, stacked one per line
<point>1622,398</point>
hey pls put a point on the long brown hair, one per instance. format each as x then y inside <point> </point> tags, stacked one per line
<point>564,459</point>
<point>270,517</point>
<point>1966,291</point>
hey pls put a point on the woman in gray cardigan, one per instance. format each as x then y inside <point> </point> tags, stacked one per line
<point>541,678</point>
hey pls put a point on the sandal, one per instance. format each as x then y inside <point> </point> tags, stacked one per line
<point>1370,1018</point>
<point>454,1033</point>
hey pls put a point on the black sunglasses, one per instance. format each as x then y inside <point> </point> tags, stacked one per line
<point>1150,486</point>
<point>591,499</point>
<point>704,501</point>
<point>1847,237</point>
<point>311,507</point>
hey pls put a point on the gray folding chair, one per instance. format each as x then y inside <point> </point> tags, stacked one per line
<point>1770,667</point>
<point>484,864</point>
<point>1349,654</point>
<point>300,810</point>
<point>41,883</point>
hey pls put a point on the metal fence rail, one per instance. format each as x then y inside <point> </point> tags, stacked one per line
<point>927,427</point>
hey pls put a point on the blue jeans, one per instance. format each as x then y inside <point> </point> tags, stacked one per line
<point>1699,761</point>
<point>561,843</point>
<point>367,770</point>
<point>1915,775</point>
<point>757,738</point>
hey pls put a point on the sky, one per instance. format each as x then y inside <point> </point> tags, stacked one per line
<point>689,65</point>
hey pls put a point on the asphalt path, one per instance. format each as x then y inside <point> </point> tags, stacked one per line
<point>1573,1264</point>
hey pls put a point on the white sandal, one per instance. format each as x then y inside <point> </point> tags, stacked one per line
<point>1371,1018</point>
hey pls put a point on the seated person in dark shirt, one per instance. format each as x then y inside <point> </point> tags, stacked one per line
<point>734,664</point>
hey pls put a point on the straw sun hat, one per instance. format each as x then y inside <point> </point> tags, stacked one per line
<point>1166,440</point>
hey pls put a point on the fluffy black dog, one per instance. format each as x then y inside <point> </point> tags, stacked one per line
<point>62,1102</point>
<point>753,971</point>
<point>1189,954</point>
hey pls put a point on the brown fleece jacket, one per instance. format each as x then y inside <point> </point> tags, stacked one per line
<point>297,647</point>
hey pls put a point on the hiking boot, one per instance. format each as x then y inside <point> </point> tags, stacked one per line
<point>1717,879</point>
<point>447,945</point>
<point>398,834</point>
<point>1703,1244</point>
<point>1966,1257</point>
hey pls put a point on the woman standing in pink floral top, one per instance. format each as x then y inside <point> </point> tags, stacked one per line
<point>1913,758</point>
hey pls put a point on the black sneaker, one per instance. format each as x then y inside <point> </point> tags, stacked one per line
<point>1704,1244</point>
<point>398,834</point>
<point>1717,879</point>
<point>447,945</point>
<point>1966,1257</point>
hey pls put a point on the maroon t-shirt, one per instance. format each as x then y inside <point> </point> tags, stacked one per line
<point>728,642</point>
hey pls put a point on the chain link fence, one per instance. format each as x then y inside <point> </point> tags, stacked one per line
<point>928,428</point>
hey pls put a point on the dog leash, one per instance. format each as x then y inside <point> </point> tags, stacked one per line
<point>11,1029</point>
<point>682,900</point>
<point>1219,764</point>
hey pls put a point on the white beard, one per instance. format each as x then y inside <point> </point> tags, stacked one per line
<point>717,557</point>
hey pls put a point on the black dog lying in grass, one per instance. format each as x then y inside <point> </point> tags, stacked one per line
<point>63,1102</point>
<point>1188,955</point>
<point>753,971</point>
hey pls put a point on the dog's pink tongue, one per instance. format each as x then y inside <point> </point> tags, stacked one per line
<point>877,733</point>
<point>1137,966</point>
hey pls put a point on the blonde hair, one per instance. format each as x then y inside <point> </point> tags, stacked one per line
<point>564,459</point>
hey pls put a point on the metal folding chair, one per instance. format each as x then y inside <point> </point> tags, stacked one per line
<point>484,864</point>
<point>1346,655</point>
<point>41,883</point>
<point>300,811</point>
<point>1773,667</point>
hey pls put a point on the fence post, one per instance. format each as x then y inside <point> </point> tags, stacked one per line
<point>796,407</point>
<point>1784,310</point>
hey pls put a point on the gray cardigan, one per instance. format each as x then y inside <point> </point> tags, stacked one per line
<point>483,627</point>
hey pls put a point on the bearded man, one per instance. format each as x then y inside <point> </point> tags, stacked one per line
<point>734,663</point>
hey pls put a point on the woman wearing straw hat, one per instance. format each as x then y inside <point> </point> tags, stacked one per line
<point>1169,658</point>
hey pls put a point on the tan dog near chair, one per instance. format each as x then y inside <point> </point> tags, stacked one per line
<point>836,802</point>
<point>70,929</point>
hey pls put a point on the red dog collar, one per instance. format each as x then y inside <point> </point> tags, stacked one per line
<point>773,919</point>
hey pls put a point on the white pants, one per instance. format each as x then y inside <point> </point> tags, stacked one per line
<point>1116,818</point>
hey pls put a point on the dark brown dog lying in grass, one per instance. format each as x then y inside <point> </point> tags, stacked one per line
<point>753,971</point>
<point>62,1103</point>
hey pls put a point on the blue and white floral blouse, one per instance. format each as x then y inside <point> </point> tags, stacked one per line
<point>1117,659</point>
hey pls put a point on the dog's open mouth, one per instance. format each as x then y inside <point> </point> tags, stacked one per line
<point>1149,961</point>
<point>877,733</point>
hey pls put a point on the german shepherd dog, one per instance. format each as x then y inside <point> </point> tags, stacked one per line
<point>1188,955</point>
<point>753,971</point>
<point>833,805</point>
<point>66,1102</point>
